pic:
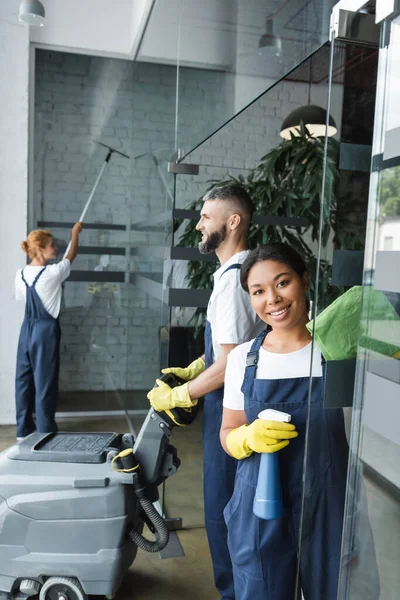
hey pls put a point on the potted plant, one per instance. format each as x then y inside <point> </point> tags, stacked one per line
<point>288,183</point>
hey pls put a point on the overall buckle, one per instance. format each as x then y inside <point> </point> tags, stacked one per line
<point>252,359</point>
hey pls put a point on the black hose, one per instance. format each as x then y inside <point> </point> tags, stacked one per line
<point>162,533</point>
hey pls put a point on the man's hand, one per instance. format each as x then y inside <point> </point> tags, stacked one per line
<point>163,397</point>
<point>191,372</point>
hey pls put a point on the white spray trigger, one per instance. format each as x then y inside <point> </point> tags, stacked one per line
<point>274,415</point>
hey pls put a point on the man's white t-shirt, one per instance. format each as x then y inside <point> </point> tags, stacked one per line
<point>48,286</point>
<point>270,366</point>
<point>232,318</point>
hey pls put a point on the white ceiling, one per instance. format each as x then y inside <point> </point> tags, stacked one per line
<point>98,27</point>
<point>217,34</point>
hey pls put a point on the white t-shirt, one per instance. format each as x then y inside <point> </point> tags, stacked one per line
<point>270,366</point>
<point>232,318</point>
<point>48,285</point>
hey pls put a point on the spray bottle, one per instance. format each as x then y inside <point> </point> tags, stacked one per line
<point>268,497</point>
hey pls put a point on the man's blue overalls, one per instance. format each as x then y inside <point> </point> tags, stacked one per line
<point>265,553</point>
<point>219,478</point>
<point>38,359</point>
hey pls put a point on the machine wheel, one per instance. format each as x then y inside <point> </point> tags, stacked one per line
<point>30,587</point>
<point>62,588</point>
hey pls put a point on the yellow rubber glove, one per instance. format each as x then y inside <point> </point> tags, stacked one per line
<point>163,397</point>
<point>188,373</point>
<point>260,436</point>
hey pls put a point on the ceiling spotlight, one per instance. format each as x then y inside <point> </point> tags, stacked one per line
<point>313,117</point>
<point>32,12</point>
<point>270,44</point>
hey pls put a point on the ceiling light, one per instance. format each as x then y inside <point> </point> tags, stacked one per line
<point>32,12</point>
<point>270,44</point>
<point>313,117</point>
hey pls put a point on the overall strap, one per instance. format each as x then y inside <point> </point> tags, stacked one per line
<point>35,280</point>
<point>23,278</point>
<point>37,276</point>
<point>235,266</point>
<point>252,361</point>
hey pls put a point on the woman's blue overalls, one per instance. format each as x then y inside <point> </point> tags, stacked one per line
<point>219,478</point>
<point>38,359</point>
<point>265,553</point>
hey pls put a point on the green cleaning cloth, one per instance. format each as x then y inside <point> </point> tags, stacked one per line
<point>338,328</point>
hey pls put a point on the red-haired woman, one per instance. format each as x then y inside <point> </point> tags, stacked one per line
<point>38,356</point>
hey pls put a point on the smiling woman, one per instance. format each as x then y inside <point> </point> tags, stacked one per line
<point>276,278</point>
<point>273,372</point>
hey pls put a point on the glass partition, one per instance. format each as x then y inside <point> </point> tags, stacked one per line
<point>137,295</point>
<point>228,53</point>
<point>339,270</point>
<point>150,241</point>
<point>371,549</point>
<point>360,333</point>
<point>114,318</point>
<point>239,152</point>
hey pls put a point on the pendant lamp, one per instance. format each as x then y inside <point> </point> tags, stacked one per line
<point>313,117</point>
<point>32,12</point>
<point>269,44</point>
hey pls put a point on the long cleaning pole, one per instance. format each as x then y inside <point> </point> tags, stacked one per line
<point>96,183</point>
<point>89,200</point>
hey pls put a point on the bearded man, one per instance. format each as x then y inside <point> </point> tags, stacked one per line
<point>224,224</point>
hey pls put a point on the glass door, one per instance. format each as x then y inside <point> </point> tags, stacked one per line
<point>374,482</point>
<point>114,316</point>
<point>370,543</point>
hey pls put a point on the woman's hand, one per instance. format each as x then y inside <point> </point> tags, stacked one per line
<point>77,228</point>
<point>73,246</point>
<point>259,436</point>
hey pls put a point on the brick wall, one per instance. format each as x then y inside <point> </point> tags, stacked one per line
<point>111,330</point>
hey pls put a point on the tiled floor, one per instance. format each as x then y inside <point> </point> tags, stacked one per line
<point>190,577</point>
<point>150,577</point>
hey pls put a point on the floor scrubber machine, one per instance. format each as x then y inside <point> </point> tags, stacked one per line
<point>73,507</point>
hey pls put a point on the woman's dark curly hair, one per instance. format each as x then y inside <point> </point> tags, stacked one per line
<point>278,251</point>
